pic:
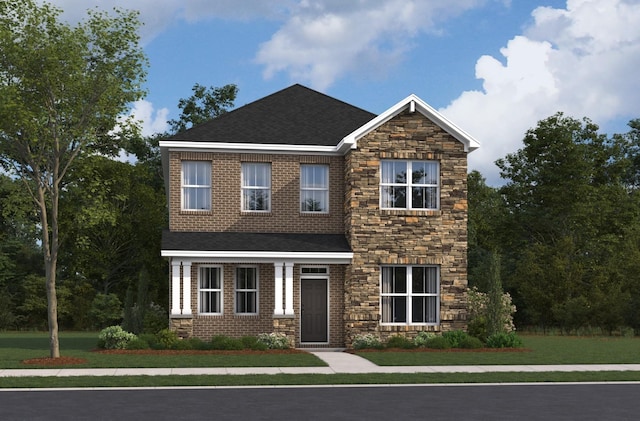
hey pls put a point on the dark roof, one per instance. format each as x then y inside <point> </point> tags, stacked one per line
<point>256,242</point>
<point>296,115</point>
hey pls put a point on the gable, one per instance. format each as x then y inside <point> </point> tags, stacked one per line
<point>293,116</point>
<point>411,104</point>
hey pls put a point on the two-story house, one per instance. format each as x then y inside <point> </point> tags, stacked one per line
<point>301,214</point>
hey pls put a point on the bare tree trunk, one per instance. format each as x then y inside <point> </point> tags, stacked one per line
<point>50,251</point>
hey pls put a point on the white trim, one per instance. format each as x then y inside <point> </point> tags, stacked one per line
<point>288,288</point>
<point>277,308</point>
<point>413,103</point>
<point>175,287</point>
<point>263,256</point>
<point>221,276</point>
<point>256,289</point>
<point>190,146</point>
<point>186,288</point>
<point>325,277</point>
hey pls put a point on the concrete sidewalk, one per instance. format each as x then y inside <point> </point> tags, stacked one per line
<point>338,363</point>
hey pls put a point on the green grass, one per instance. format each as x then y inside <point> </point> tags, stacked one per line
<point>313,379</point>
<point>18,346</point>
<point>540,350</point>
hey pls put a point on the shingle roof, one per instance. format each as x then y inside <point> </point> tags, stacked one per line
<point>296,115</point>
<point>254,242</point>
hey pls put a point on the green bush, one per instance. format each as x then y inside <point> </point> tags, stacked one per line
<point>366,341</point>
<point>138,343</point>
<point>166,339</point>
<point>470,342</point>
<point>225,343</point>
<point>477,327</point>
<point>156,318</point>
<point>252,342</point>
<point>114,337</point>
<point>274,340</point>
<point>438,343</point>
<point>198,344</point>
<point>421,339</point>
<point>454,337</point>
<point>398,341</point>
<point>504,340</point>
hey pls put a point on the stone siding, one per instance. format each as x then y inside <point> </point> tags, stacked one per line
<point>401,237</point>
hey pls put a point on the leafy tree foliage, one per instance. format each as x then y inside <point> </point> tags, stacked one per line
<point>203,105</point>
<point>64,90</point>
<point>566,224</point>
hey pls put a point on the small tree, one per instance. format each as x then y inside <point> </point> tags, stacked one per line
<point>64,89</point>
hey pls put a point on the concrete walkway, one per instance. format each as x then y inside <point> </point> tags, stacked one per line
<point>338,362</point>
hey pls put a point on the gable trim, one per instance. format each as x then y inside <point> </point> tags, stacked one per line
<point>413,104</point>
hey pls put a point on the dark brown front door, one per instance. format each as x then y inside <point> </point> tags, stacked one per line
<point>314,310</point>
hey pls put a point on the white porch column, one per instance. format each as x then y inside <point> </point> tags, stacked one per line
<point>288,288</point>
<point>175,286</point>
<point>277,309</point>
<point>186,285</point>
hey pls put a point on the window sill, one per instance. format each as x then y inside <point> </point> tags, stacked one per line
<point>411,212</point>
<point>196,212</point>
<point>255,213</point>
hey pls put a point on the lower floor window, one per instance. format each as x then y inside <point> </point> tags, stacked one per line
<point>246,290</point>
<point>210,290</point>
<point>410,294</point>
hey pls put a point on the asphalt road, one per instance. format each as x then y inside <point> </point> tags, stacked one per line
<point>462,402</point>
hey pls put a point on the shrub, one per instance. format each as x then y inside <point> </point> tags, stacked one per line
<point>438,343</point>
<point>398,341</point>
<point>366,341</point>
<point>421,339</point>
<point>114,337</point>
<point>454,337</point>
<point>138,343</point>
<point>166,339</point>
<point>477,327</point>
<point>504,340</point>
<point>197,343</point>
<point>274,340</point>
<point>225,343</point>
<point>470,342</point>
<point>252,342</point>
<point>479,307</point>
<point>156,318</point>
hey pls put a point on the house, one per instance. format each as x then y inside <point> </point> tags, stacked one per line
<point>295,214</point>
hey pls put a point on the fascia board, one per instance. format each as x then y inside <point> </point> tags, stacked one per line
<point>246,147</point>
<point>414,103</point>
<point>344,257</point>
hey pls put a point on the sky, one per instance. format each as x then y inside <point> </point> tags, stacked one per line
<point>492,67</point>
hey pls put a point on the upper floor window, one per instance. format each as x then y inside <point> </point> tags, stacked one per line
<point>256,186</point>
<point>418,191</point>
<point>314,188</point>
<point>410,294</point>
<point>196,185</point>
<point>210,290</point>
<point>246,290</point>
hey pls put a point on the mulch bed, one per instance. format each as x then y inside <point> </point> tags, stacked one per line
<point>483,350</point>
<point>55,362</point>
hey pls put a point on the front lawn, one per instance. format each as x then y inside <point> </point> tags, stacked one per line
<point>15,347</point>
<point>537,350</point>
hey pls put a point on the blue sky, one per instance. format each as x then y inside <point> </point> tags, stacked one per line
<point>493,67</point>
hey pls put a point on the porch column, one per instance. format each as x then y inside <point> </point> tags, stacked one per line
<point>186,285</point>
<point>277,309</point>
<point>175,286</point>
<point>288,288</point>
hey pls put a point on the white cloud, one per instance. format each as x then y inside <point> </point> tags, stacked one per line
<point>582,60</point>
<point>324,40</point>
<point>152,121</point>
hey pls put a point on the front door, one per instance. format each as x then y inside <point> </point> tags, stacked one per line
<point>313,310</point>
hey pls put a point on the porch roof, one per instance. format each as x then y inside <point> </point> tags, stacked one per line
<point>221,244</point>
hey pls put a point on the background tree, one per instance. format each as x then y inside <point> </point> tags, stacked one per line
<point>64,89</point>
<point>203,105</point>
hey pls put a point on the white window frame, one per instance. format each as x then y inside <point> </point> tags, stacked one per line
<point>203,185</point>
<point>246,290</point>
<point>409,295</point>
<point>309,192</point>
<point>219,291</point>
<point>247,186</point>
<point>408,185</point>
